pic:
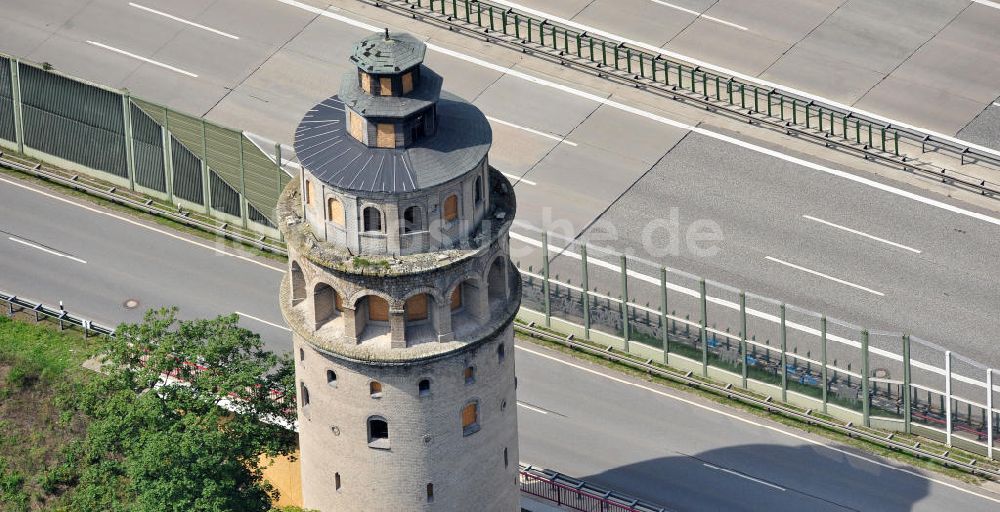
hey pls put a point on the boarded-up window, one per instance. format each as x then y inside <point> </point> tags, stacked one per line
<point>456,298</point>
<point>407,82</point>
<point>450,208</point>
<point>378,309</point>
<point>386,136</point>
<point>470,417</point>
<point>357,125</point>
<point>372,219</point>
<point>385,86</point>
<point>416,307</point>
<point>366,82</point>
<point>309,192</point>
<point>335,211</point>
<point>375,388</point>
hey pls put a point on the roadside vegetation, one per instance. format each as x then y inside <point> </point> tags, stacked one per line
<point>118,440</point>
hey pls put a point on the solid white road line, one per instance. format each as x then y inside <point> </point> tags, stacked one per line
<point>141,225</point>
<point>856,232</point>
<point>144,59</point>
<point>689,11</point>
<point>654,117</point>
<point>772,428</point>
<point>820,274</point>
<point>530,130</point>
<point>753,79</point>
<point>995,104</point>
<point>741,475</point>
<point>987,3</point>
<point>261,320</point>
<point>530,408</point>
<point>44,249</point>
<point>182,20</point>
<point>517,178</point>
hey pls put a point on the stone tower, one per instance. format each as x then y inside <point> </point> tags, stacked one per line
<point>401,295</point>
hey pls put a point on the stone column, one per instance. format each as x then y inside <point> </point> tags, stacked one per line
<point>442,321</point>
<point>397,327</point>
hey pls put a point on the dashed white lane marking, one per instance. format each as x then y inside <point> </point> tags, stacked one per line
<point>261,320</point>
<point>772,428</point>
<point>141,225</point>
<point>517,179</point>
<point>826,276</point>
<point>532,131</point>
<point>182,20</point>
<point>995,104</point>
<point>741,475</point>
<point>689,11</point>
<point>670,122</point>
<point>144,59</point>
<point>44,249</point>
<point>530,408</point>
<point>861,233</point>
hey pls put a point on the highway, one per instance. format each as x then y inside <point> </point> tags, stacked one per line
<point>586,421</point>
<point>590,154</point>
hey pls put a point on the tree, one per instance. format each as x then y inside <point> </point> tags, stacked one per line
<point>160,445</point>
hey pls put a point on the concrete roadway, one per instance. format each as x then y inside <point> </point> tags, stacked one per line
<point>934,64</point>
<point>583,159</point>
<point>586,421</point>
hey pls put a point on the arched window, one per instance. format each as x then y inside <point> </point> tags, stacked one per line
<point>424,387</point>
<point>470,418</point>
<point>305,394</point>
<point>456,297</point>
<point>336,480</point>
<point>450,210</point>
<point>501,353</point>
<point>335,211</point>
<point>430,493</point>
<point>470,374</point>
<point>378,432</point>
<point>372,219</point>
<point>309,192</point>
<point>298,284</point>
<point>302,355</point>
<point>413,219</point>
<point>496,280</point>
<point>477,190</point>
<point>417,308</point>
<point>505,461</point>
<point>326,304</point>
<point>378,308</point>
<point>331,378</point>
<point>375,388</point>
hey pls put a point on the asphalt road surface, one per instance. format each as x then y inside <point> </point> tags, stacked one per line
<point>585,421</point>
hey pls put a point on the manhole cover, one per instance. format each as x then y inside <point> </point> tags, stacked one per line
<point>130,304</point>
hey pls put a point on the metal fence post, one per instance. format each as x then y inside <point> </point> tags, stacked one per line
<point>206,181</point>
<point>784,357</point>
<point>947,393</point>
<point>129,139</point>
<point>244,205</point>
<point>825,370</point>
<point>989,413</point>
<point>906,385</point>
<point>625,325</point>
<point>704,329</point>
<point>168,162</point>
<point>664,321</point>
<point>743,339</point>
<point>586,291</point>
<point>866,403</point>
<point>15,86</point>
<point>545,278</point>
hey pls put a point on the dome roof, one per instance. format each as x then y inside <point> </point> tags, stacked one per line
<point>388,53</point>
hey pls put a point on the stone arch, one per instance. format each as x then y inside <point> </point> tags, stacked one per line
<point>467,303</point>
<point>335,211</point>
<point>372,219</point>
<point>371,317</point>
<point>413,219</point>
<point>327,304</point>
<point>497,280</point>
<point>352,300</point>
<point>298,284</point>
<point>433,292</point>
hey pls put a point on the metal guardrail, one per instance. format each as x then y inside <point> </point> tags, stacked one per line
<point>132,200</point>
<point>849,429</point>
<point>576,494</point>
<point>778,109</point>
<point>16,304</point>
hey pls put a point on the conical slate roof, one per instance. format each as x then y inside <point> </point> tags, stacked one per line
<point>387,53</point>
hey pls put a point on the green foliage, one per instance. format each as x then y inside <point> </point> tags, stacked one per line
<point>36,354</point>
<point>365,262</point>
<point>12,495</point>
<point>154,447</point>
